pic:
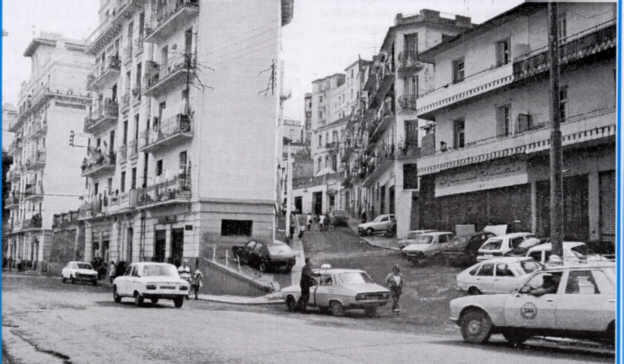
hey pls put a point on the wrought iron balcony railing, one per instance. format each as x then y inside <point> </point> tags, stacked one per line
<point>171,131</point>
<point>103,73</point>
<point>101,115</point>
<point>169,15</point>
<point>172,191</point>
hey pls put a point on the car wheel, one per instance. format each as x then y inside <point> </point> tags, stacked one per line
<point>369,231</point>
<point>371,311</point>
<point>178,302</point>
<point>515,336</point>
<point>336,308</point>
<point>474,291</point>
<point>262,267</point>
<point>138,299</point>
<point>94,282</point>
<point>154,301</point>
<point>476,327</point>
<point>72,280</point>
<point>291,304</point>
<point>116,296</point>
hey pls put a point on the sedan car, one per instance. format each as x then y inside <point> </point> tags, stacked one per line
<point>427,245</point>
<point>574,301</point>
<point>265,257</point>
<point>79,271</point>
<point>499,246</point>
<point>573,252</point>
<point>153,281</point>
<point>497,275</point>
<point>381,223</point>
<point>411,236</point>
<point>464,253</point>
<point>337,290</point>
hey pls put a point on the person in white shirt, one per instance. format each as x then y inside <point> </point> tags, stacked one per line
<point>394,281</point>
<point>185,272</point>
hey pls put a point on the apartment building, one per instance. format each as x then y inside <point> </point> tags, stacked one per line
<point>44,178</point>
<point>486,159</point>
<point>181,147</point>
<point>384,135</point>
<point>291,136</point>
<point>307,124</point>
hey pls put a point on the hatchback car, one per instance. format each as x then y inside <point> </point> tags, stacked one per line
<point>497,275</point>
<point>411,236</point>
<point>573,252</point>
<point>464,253</point>
<point>79,271</point>
<point>428,245</point>
<point>499,246</point>
<point>574,301</point>
<point>266,257</point>
<point>153,281</point>
<point>381,223</point>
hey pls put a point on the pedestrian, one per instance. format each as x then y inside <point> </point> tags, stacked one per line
<point>185,273</point>
<point>394,281</point>
<point>363,216</point>
<point>112,269</point>
<point>309,222</point>
<point>322,223</point>
<point>197,282</point>
<point>307,281</point>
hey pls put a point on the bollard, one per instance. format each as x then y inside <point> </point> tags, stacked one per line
<point>214,252</point>
<point>226,257</point>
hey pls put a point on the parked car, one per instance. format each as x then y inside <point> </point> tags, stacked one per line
<point>465,252</point>
<point>411,236</point>
<point>573,252</point>
<point>338,218</point>
<point>380,224</point>
<point>153,281</point>
<point>337,290</point>
<point>498,246</point>
<point>427,245</point>
<point>266,257</point>
<point>575,301</point>
<point>79,271</point>
<point>497,275</point>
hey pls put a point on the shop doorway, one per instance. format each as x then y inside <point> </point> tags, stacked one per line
<point>129,245</point>
<point>177,246</point>
<point>317,202</point>
<point>160,240</point>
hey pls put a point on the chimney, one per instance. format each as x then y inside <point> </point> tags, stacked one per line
<point>463,21</point>
<point>430,14</point>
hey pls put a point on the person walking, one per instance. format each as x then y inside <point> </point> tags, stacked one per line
<point>309,222</point>
<point>394,281</point>
<point>197,282</point>
<point>112,270</point>
<point>307,281</point>
<point>185,273</point>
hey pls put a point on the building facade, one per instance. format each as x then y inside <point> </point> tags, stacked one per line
<point>182,127</point>
<point>44,178</point>
<point>487,160</point>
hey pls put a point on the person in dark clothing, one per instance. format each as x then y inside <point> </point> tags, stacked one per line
<point>307,281</point>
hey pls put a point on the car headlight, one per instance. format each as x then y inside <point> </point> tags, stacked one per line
<point>360,296</point>
<point>150,286</point>
<point>386,295</point>
<point>183,288</point>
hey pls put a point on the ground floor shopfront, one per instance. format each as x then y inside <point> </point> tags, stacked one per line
<point>516,191</point>
<point>27,248</point>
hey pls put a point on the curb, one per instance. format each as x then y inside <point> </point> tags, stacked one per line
<point>245,301</point>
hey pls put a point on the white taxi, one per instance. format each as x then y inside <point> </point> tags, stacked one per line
<point>574,301</point>
<point>153,281</point>
<point>498,246</point>
<point>337,290</point>
<point>498,275</point>
<point>79,271</point>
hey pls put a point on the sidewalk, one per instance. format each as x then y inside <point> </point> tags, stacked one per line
<point>270,299</point>
<point>375,240</point>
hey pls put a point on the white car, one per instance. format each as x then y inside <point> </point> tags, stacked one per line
<point>153,281</point>
<point>498,246</point>
<point>79,271</point>
<point>573,252</point>
<point>575,301</point>
<point>380,223</point>
<point>411,236</point>
<point>497,275</point>
<point>427,245</point>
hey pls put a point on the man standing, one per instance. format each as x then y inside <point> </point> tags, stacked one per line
<point>307,281</point>
<point>184,270</point>
<point>394,281</point>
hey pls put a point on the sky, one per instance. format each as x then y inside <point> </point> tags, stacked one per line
<point>323,38</point>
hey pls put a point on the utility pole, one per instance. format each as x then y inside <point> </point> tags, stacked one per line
<point>289,170</point>
<point>556,195</point>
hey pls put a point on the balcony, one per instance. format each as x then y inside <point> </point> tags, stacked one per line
<point>375,166</point>
<point>121,203</point>
<point>125,101</point>
<point>165,77</point>
<point>136,95</point>
<point>170,17</point>
<point>65,220</point>
<point>108,30</point>
<point>39,129</point>
<point>90,210</point>
<point>33,191</point>
<point>171,131</point>
<point>379,126</point>
<point>102,116</point>
<point>573,48</point>
<point>138,45</point>
<point>12,201</point>
<point>102,74</point>
<point>588,127</point>
<point>409,63</point>
<point>172,192</point>
<point>408,151</point>
<point>97,163</point>
<point>15,146</point>
<point>133,149</point>
<point>473,85</point>
<point>14,174</point>
<point>407,103</point>
<point>38,160</point>
<point>32,223</point>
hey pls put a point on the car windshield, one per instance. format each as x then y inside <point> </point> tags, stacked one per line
<point>379,218</point>
<point>159,270</point>
<point>413,235</point>
<point>355,278</point>
<point>423,239</point>
<point>492,245</point>
<point>84,266</point>
<point>529,266</point>
<point>278,248</point>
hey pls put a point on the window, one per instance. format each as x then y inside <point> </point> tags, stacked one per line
<point>492,245</point>
<point>159,167</point>
<point>503,55</point>
<point>123,181</point>
<point>486,270</point>
<point>474,270</point>
<point>320,140</point>
<point>410,176</point>
<point>562,27</point>
<point>411,44</point>
<point>325,280</point>
<point>503,120</point>
<point>136,128</point>
<point>96,188</point>
<point>581,282</point>
<point>458,136</point>
<point>320,99</point>
<point>458,70</point>
<point>236,227</point>
<point>109,184</point>
<point>502,270</point>
<point>125,133</point>
<point>134,178</point>
<point>563,103</point>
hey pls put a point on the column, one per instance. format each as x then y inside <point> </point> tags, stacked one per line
<point>593,204</point>
<point>167,242</point>
<point>533,193</point>
<point>88,243</point>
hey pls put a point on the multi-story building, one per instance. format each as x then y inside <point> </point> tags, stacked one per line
<point>307,125</point>
<point>385,132</point>
<point>487,159</point>
<point>291,137</point>
<point>44,178</point>
<point>182,127</point>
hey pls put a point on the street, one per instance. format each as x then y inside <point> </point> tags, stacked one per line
<point>64,323</point>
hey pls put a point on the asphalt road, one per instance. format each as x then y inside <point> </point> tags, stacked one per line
<point>45,321</point>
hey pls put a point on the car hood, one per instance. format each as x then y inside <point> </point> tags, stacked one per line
<point>85,271</point>
<point>418,247</point>
<point>489,300</point>
<point>367,288</point>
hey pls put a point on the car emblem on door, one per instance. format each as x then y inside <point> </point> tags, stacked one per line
<point>528,310</point>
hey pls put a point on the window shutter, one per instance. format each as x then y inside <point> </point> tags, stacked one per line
<point>500,121</point>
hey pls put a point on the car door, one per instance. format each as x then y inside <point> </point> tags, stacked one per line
<point>505,280</point>
<point>588,301</point>
<point>381,224</point>
<point>485,277</point>
<point>133,280</point>
<point>526,310</point>
<point>323,290</point>
<point>123,281</point>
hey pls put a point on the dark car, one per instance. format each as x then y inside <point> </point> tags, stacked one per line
<point>339,218</point>
<point>266,257</point>
<point>466,252</point>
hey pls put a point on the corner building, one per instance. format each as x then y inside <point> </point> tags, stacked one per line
<point>182,126</point>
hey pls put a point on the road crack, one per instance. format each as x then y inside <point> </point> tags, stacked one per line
<point>65,358</point>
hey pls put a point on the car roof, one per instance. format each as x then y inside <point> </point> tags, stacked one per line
<point>339,270</point>
<point>79,261</point>
<point>578,266</point>
<point>515,235</point>
<point>507,259</point>
<point>548,246</point>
